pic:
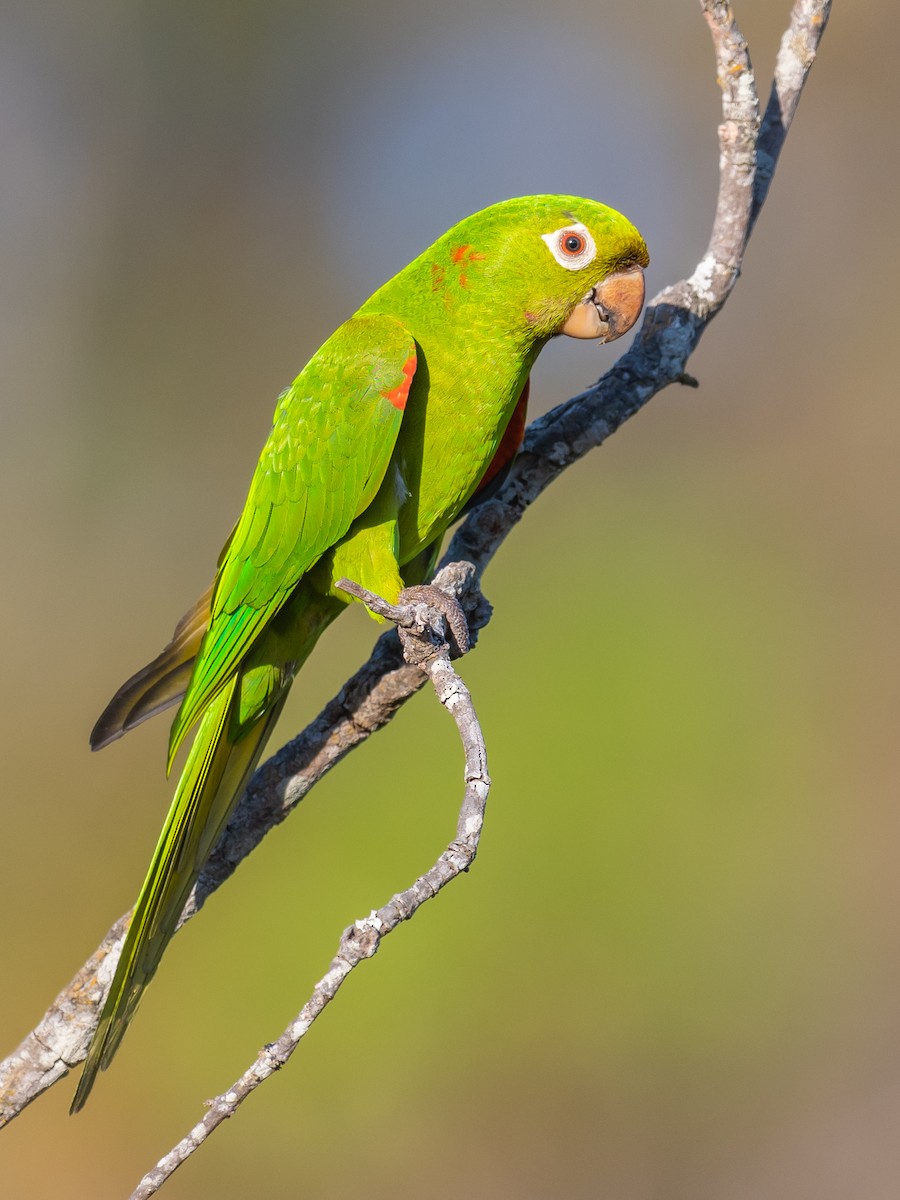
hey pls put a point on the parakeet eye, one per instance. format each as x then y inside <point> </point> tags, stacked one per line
<point>572,246</point>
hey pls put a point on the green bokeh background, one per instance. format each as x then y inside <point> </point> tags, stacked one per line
<point>673,972</point>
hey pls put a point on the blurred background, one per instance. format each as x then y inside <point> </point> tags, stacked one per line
<point>674,971</point>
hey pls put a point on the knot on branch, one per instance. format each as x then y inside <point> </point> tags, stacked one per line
<point>360,940</point>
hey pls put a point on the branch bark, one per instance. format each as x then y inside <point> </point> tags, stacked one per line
<point>673,324</point>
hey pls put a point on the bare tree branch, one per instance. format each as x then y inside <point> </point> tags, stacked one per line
<point>797,54</point>
<point>672,327</point>
<point>420,618</point>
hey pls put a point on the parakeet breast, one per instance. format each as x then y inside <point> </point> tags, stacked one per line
<point>458,409</point>
<point>472,366</point>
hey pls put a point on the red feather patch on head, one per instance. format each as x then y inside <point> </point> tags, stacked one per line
<point>458,253</point>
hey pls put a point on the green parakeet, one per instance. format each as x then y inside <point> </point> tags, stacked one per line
<point>409,409</point>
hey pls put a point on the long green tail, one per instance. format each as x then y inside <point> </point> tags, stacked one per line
<point>213,779</point>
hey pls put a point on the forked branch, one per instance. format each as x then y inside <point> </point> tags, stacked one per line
<point>672,327</point>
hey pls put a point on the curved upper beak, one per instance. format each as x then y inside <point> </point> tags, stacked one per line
<point>609,309</point>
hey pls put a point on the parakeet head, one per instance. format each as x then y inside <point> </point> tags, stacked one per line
<point>572,265</point>
<point>537,266</point>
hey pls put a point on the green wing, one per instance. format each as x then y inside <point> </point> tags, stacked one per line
<point>331,442</point>
<point>332,438</point>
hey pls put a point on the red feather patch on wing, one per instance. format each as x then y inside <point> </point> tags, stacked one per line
<point>398,395</point>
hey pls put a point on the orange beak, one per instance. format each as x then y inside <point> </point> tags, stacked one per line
<point>609,309</point>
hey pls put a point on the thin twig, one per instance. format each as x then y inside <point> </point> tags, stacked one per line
<point>421,627</point>
<point>672,327</point>
<point>797,53</point>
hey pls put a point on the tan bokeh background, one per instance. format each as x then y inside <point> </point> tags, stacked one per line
<point>674,971</point>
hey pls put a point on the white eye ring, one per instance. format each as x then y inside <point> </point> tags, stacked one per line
<point>572,246</point>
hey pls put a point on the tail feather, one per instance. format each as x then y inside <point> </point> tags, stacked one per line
<point>160,684</point>
<point>215,774</point>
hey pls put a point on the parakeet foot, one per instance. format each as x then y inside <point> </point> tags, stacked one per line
<point>457,625</point>
<point>403,615</point>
